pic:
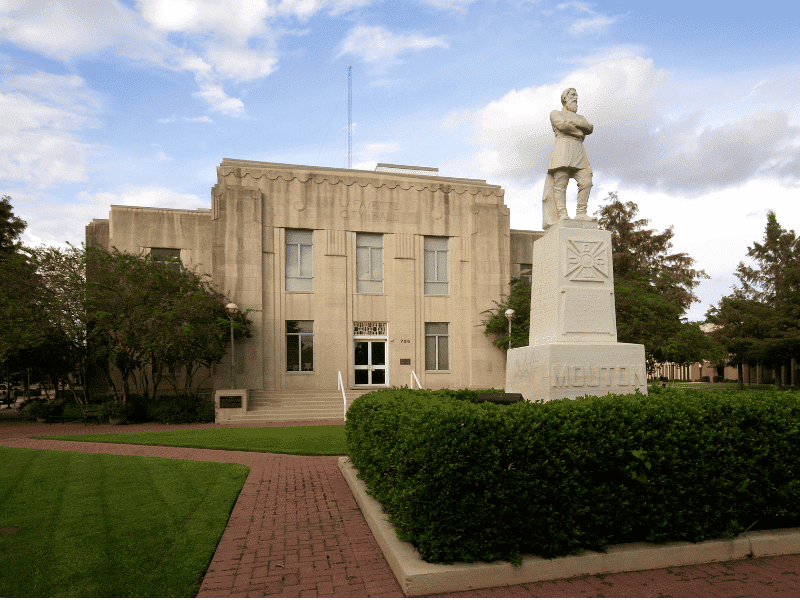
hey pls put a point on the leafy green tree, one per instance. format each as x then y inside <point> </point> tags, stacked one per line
<point>22,320</point>
<point>496,324</point>
<point>653,288</point>
<point>152,321</point>
<point>62,273</point>
<point>759,323</point>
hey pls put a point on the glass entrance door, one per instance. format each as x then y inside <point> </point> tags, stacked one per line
<point>370,362</point>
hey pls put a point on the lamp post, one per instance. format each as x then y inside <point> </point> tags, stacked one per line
<point>232,309</point>
<point>510,317</point>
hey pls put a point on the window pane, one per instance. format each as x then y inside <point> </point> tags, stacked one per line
<point>377,264</point>
<point>378,353</point>
<point>292,352</point>
<point>442,270</point>
<point>372,240</point>
<point>444,353</point>
<point>291,262</point>
<point>306,261</point>
<point>378,377</point>
<point>307,352</point>
<point>299,236</point>
<point>436,328</point>
<point>166,254</point>
<point>361,377</point>
<point>362,353</point>
<point>299,326</point>
<point>430,353</point>
<point>362,263</point>
<point>430,266</point>
<point>435,243</point>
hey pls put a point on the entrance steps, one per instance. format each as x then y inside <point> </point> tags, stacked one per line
<point>277,405</point>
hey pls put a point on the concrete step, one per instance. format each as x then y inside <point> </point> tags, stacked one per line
<point>279,405</point>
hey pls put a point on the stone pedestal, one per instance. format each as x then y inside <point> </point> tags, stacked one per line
<point>573,347</point>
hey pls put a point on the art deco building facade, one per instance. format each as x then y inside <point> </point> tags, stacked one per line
<point>369,274</point>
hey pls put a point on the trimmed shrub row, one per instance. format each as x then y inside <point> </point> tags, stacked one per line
<point>465,481</point>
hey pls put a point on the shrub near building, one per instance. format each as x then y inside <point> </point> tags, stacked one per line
<point>464,481</point>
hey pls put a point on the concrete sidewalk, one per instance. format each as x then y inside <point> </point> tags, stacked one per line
<point>297,531</point>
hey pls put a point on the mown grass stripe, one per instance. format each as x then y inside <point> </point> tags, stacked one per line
<point>312,440</point>
<point>90,525</point>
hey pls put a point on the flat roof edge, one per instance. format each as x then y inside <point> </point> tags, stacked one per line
<point>361,172</point>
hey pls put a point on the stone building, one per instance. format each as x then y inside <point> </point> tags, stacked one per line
<point>378,277</point>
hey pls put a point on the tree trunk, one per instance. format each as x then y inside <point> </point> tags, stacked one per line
<point>740,375</point>
<point>783,375</point>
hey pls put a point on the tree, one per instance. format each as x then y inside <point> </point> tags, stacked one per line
<point>653,288</point>
<point>496,324</point>
<point>62,274</point>
<point>150,320</point>
<point>760,321</point>
<point>21,316</point>
<point>11,227</point>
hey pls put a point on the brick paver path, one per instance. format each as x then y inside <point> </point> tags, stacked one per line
<point>297,531</point>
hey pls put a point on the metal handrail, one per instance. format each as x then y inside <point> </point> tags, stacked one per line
<point>341,387</point>
<point>413,377</point>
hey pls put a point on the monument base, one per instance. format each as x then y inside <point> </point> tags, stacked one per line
<point>553,371</point>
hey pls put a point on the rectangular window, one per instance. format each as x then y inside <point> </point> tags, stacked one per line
<point>437,270</point>
<point>299,260</point>
<point>171,255</point>
<point>525,271</point>
<point>300,346</point>
<point>437,347</point>
<point>369,263</point>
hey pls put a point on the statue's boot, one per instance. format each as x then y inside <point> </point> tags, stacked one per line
<point>581,215</point>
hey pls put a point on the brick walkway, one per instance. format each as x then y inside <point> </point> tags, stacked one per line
<point>297,531</point>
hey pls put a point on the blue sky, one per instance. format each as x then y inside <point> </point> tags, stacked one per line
<point>696,106</point>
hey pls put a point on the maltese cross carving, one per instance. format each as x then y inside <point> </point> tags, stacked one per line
<point>586,260</point>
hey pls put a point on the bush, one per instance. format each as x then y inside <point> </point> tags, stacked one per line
<point>465,481</point>
<point>33,409</point>
<point>705,379</point>
<point>179,409</point>
<point>719,379</point>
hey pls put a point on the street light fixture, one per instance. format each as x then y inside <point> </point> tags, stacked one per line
<point>232,309</point>
<point>510,317</point>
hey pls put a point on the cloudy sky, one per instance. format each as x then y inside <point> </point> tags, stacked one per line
<point>695,104</point>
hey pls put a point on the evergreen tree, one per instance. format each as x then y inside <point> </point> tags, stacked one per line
<point>11,227</point>
<point>759,323</point>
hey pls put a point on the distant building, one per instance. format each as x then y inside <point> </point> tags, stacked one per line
<point>369,274</point>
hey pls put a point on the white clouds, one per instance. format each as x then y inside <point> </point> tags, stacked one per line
<point>622,97</point>
<point>593,23</point>
<point>162,156</point>
<point>41,116</point>
<point>71,29</point>
<point>53,223</point>
<point>151,196</point>
<point>377,44</point>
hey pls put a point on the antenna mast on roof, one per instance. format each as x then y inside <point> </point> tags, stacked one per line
<point>349,120</point>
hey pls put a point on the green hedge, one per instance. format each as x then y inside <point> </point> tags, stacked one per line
<point>465,481</point>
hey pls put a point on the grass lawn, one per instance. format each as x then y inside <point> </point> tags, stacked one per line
<point>312,440</point>
<point>96,525</point>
